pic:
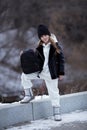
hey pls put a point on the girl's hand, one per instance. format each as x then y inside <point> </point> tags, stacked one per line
<point>21,53</point>
<point>61,77</point>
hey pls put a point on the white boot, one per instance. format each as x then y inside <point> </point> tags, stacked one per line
<point>28,96</point>
<point>57,113</point>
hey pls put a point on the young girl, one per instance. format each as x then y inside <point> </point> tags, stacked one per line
<point>51,62</point>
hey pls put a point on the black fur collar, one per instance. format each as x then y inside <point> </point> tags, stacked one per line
<point>51,52</point>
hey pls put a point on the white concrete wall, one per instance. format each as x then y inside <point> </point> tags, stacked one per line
<point>16,113</point>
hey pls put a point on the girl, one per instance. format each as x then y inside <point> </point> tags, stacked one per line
<point>51,62</point>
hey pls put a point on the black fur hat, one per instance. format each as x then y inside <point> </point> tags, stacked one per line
<point>43,30</point>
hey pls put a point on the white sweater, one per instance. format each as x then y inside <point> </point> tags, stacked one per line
<point>46,49</point>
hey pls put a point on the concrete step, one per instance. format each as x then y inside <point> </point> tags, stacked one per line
<point>16,113</point>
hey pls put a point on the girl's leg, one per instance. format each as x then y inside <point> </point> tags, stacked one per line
<point>26,80</point>
<point>52,86</point>
<point>27,84</point>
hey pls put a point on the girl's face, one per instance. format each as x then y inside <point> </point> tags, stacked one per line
<point>45,38</point>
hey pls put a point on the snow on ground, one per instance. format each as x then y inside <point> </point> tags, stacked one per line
<point>47,124</point>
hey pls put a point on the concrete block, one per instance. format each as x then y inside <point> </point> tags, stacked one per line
<point>15,113</point>
<point>72,102</point>
<point>42,109</point>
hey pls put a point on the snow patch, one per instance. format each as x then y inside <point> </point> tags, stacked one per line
<point>47,124</point>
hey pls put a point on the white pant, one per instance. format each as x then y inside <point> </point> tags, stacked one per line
<point>51,84</point>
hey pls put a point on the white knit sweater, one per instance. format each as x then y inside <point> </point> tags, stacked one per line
<point>46,49</point>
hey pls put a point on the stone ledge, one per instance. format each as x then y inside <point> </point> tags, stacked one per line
<point>16,113</point>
